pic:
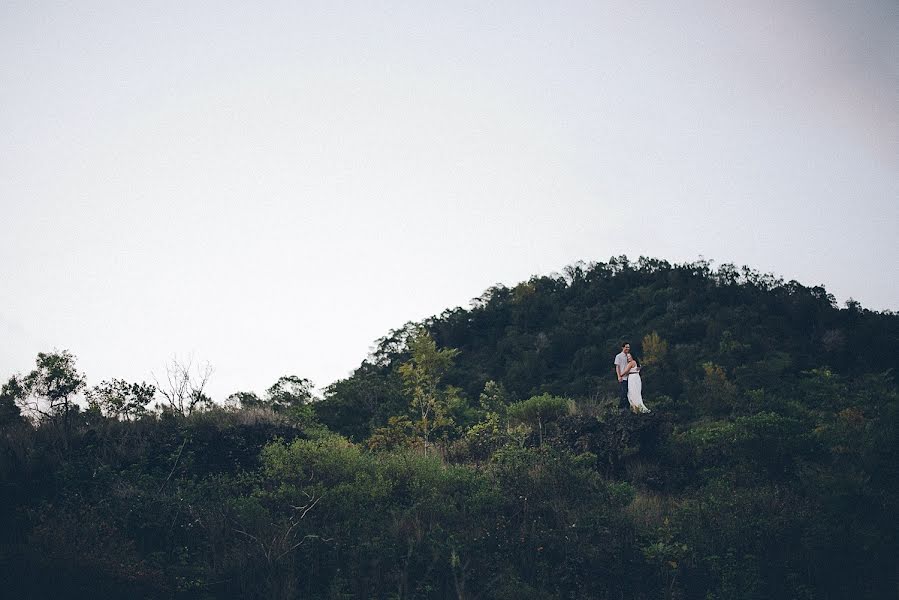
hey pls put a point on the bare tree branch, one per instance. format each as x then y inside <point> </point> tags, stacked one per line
<point>183,389</point>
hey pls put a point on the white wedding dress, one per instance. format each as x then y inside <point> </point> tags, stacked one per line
<point>635,392</point>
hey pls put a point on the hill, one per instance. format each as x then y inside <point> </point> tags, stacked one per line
<point>480,454</point>
<point>558,334</point>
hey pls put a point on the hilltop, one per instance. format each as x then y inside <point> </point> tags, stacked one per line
<point>480,454</point>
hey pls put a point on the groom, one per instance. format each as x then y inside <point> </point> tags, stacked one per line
<point>622,370</point>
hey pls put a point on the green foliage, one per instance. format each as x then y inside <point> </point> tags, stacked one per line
<point>764,446</point>
<point>244,400</point>
<point>482,439</point>
<point>355,406</point>
<point>328,458</point>
<point>668,555</point>
<point>48,391</point>
<point>290,391</point>
<point>11,393</point>
<point>715,394</point>
<point>422,375</point>
<point>494,398</point>
<point>120,399</point>
<point>290,395</point>
<point>398,433</point>
<point>767,469</point>
<point>539,411</point>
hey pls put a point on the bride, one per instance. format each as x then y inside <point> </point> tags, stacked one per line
<point>635,386</point>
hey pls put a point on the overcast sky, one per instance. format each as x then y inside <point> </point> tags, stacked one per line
<point>271,187</point>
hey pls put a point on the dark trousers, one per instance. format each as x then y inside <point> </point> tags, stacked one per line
<point>623,403</point>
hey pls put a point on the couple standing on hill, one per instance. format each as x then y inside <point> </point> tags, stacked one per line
<point>630,385</point>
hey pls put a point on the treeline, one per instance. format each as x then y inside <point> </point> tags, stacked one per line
<point>480,454</point>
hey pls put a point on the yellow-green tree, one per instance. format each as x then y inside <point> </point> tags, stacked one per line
<point>655,349</point>
<point>718,395</point>
<point>422,375</point>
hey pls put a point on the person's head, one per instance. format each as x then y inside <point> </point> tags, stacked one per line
<point>626,347</point>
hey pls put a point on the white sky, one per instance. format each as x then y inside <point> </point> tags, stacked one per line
<point>270,187</point>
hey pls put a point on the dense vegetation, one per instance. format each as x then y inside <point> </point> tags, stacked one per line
<point>480,454</point>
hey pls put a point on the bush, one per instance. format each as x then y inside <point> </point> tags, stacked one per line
<point>538,411</point>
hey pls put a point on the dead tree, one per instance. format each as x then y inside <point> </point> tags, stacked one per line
<point>183,386</point>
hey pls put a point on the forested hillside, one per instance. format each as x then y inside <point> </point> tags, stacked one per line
<point>481,454</point>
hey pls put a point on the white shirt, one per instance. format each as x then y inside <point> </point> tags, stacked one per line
<point>621,361</point>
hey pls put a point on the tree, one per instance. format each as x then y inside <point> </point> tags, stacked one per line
<point>288,394</point>
<point>290,391</point>
<point>537,411</point>
<point>183,390</point>
<point>398,433</point>
<point>120,399</point>
<point>717,395</point>
<point>244,400</point>
<point>494,398</point>
<point>655,349</point>
<point>357,405</point>
<point>422,375</point>
<point>48,392</point>
<point>10,393</point>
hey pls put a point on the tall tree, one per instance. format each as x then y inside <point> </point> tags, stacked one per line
<point>120,399</point>
<point>359,404</point>
<point>49,391</point>
<point>422,375</point>
<point>244,400</point>
<point>290,391</point>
